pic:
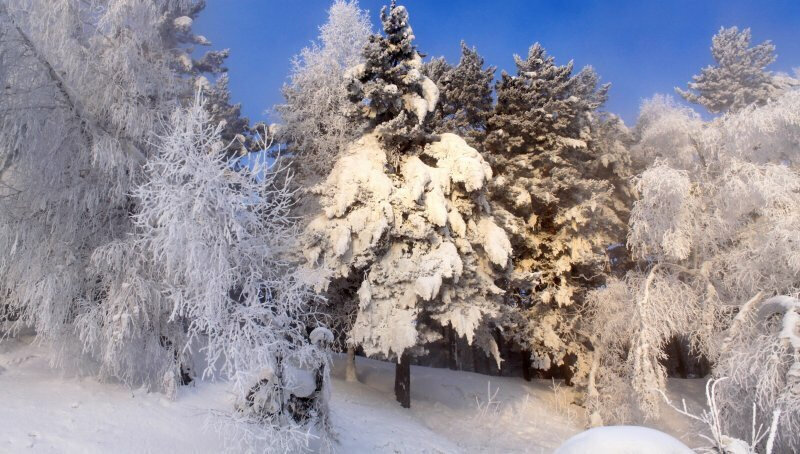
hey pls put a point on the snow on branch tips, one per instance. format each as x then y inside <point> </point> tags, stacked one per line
<point>418,236</point>
<point>404,215</point>
<point>389,89</point>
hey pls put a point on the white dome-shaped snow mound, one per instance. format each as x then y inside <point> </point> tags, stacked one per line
<point>623,440</point>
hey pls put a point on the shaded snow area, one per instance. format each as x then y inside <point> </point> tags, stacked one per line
<point>43,410</point>
<point>451,412</point>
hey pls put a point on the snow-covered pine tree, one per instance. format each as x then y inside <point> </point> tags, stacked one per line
<point>740,77</point>
<point>317,120</point>
<point>558,193</point>
<point>390,92</point>
<point>411,224</point>
<point>465,101</point>
<point>465,95</point>
<point>714,223</point>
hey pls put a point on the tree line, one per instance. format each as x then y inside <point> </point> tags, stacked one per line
<point>410,206</point>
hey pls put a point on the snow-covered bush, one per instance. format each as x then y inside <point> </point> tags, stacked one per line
<point>762,359</point>
<point>721,443</point>
<point>639,315</point>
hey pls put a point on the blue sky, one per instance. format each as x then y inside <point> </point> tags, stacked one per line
<point>641,46</point>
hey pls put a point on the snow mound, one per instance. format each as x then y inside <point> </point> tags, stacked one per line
<point>623,440</point>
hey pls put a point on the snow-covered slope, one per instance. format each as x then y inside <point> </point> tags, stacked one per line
<point>43,410</point>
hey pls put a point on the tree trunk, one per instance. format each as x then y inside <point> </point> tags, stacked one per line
<point>501,348</point>
<point>676,358</point>
<point>452,348</point>
<point>526,365</point>
<point>402,381</point>
<point>350,371</point>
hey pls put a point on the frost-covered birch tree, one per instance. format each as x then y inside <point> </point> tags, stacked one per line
<point>560,194</point>
<point>318,126</point>
<point>408,217</point>
<point>125,238</point>
<point>317,120</point>
<point>211,256</point>
<point>84,86</point>
<point>715,225</point>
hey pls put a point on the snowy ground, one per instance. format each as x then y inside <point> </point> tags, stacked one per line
<point>43,410</point>
<point>450,412</point>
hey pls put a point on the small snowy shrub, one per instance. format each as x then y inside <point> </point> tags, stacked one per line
<point>722,443</point>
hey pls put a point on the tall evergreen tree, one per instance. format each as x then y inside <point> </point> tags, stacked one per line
<point>389,88</point>
<point>740,77</point>
<point>208,73</point>
<point>408,220</point>
<point>555,195</point>
<point>465,95</point>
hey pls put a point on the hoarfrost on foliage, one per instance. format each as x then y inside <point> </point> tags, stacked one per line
<point>717,217</point>
<point>318,124</point>
<point>183,23</point>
